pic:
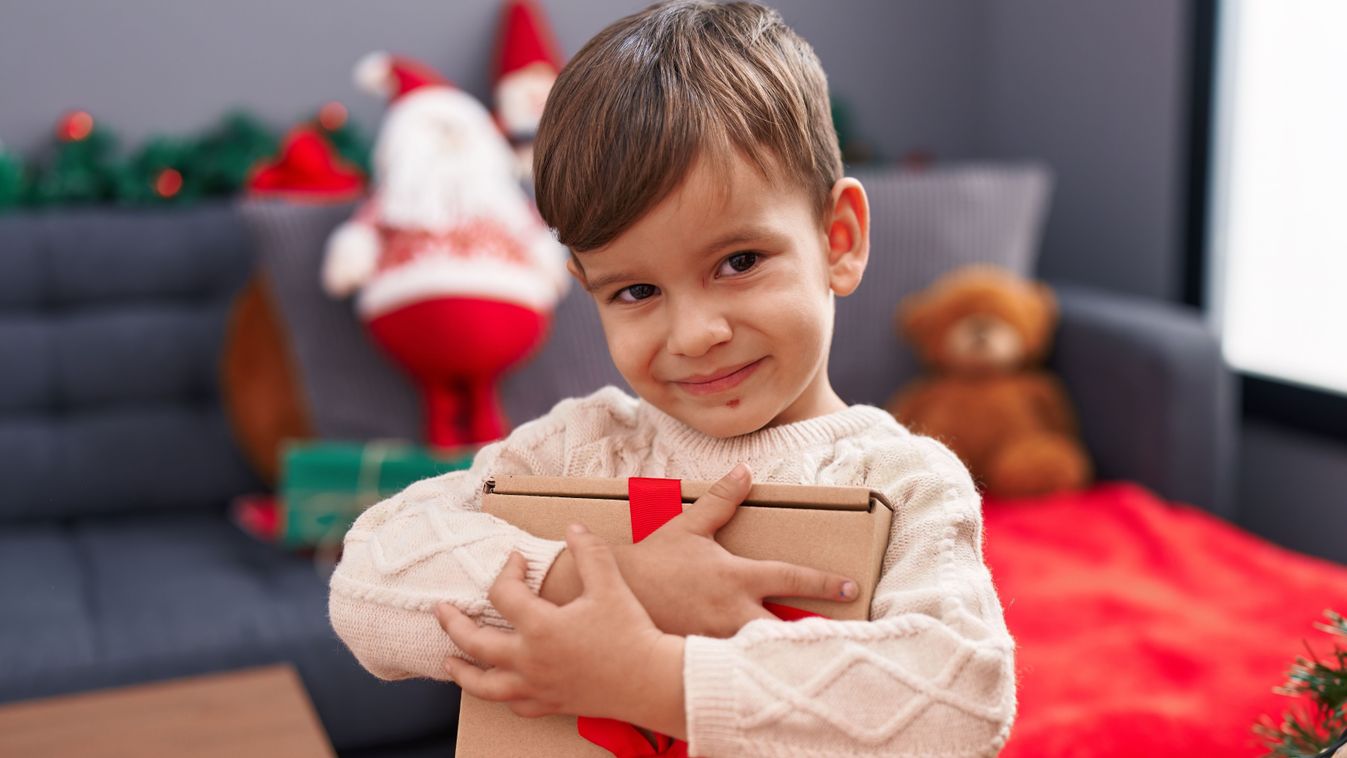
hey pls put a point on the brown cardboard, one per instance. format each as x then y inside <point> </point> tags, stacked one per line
<point>839,529</point>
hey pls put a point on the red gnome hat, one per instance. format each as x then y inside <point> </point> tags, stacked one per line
<point>526,40</point>
<point>394,76</point>
<point>308,169</point>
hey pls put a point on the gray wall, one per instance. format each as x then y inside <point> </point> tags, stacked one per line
<point>1096,89</point>
<point>157,66</point>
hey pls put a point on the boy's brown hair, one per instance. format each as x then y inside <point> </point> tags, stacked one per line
<point>657,90</point>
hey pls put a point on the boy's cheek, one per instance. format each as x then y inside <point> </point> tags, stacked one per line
<point>627,344</point>
<point>631,363</point>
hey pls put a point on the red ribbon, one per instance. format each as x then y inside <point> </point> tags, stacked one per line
<point>626,741</point>
<point>653,502</point>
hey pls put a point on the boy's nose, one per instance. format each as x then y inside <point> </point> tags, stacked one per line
<point>696,329</point>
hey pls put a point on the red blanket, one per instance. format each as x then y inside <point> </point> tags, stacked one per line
<point>1147,628</point>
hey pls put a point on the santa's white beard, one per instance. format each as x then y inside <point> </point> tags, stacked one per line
<point>439,193</point>
<point>431,183</point>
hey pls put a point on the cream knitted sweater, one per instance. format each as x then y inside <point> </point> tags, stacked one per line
<point>930,675</point>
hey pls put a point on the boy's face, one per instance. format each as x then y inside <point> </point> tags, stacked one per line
<point>717,304</point>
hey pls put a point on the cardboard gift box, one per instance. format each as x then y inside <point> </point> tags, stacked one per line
<point>838,529</point>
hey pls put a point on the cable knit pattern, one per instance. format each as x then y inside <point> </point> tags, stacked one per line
<point>930,675</point>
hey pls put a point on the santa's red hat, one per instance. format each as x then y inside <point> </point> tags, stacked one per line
<point>308,170</point>
<point>394,76</point>
<point>526,39</point>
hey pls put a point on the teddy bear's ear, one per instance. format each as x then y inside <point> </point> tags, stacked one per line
<point>908,318</point>
<point>1049,302</point>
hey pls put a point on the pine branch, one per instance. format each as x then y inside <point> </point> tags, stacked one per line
<point>1317,726</point>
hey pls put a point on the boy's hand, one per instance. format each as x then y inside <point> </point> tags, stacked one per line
<point>689,584</point>
<point>599,655</point>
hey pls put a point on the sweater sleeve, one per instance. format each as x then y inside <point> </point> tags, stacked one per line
<point>932,672</point>
<point>431,543</point>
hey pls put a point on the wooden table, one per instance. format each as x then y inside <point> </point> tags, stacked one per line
<point>250,712</point>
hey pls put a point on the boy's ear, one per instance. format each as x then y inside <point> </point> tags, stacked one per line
<point>573,266</point>
<point>848,236</point>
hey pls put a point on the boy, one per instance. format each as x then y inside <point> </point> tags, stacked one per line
<point>687,158</point>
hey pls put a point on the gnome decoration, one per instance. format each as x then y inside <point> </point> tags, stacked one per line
<point>307,170</point>
<point>457,275</point>
<point>527,65</point>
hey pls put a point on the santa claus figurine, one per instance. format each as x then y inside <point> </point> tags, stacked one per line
<point>457,275</point>
<point>527,64</point>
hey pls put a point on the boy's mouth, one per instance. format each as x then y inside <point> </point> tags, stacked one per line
<point>718,381</point>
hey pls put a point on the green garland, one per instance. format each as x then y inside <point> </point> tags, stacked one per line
<point>86,167</point>
<point>1322,732</point>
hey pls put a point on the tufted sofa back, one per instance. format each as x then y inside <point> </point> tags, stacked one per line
<point>923,224</point>
<point>111,323</point>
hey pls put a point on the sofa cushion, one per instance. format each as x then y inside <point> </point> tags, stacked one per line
<point>924,224</point>
<point>110,328</point>
<point>107,601</point>
<point>352,391</point>
<point>76,258</point>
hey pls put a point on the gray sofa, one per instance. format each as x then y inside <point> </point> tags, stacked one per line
<point>118,564</point>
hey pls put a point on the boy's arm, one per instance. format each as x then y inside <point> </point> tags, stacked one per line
<point>932,672</point>
<point>431,543</point>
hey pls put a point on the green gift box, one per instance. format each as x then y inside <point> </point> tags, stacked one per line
<point>326,485</point>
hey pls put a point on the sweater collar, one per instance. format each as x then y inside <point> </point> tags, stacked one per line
<point>771,441</point>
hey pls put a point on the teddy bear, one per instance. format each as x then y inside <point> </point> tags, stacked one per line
<point>982,332</point>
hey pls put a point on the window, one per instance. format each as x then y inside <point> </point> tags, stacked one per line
<point>1277,273</point>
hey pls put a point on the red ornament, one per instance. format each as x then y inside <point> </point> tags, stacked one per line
<point>74,126</point>
<point>168,183</point>
<point>332,116</point>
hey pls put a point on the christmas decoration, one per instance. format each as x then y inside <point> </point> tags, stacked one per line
<point>1321,733</point>
<point>156,173</point>
<point>307,168</point>
<point>353,146</point>
<point>527,64</point>
<point>332,116</point>
<point>457,275</point>
<point>325,485</point>
<point>75,127</point>
<point>220,162</point>
<point>82,170</point>
<point>11,179</point>
<point>85,166</point>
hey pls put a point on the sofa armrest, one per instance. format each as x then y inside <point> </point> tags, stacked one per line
<point>1157,404</point>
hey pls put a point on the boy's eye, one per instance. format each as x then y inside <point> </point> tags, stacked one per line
<point>738,264</point>
<point>635,293</point>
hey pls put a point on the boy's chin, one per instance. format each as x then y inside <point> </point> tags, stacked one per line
<point>722,421</point>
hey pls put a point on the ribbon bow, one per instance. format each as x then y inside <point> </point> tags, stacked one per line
<point>653,502</point>
<point>626,741</point>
